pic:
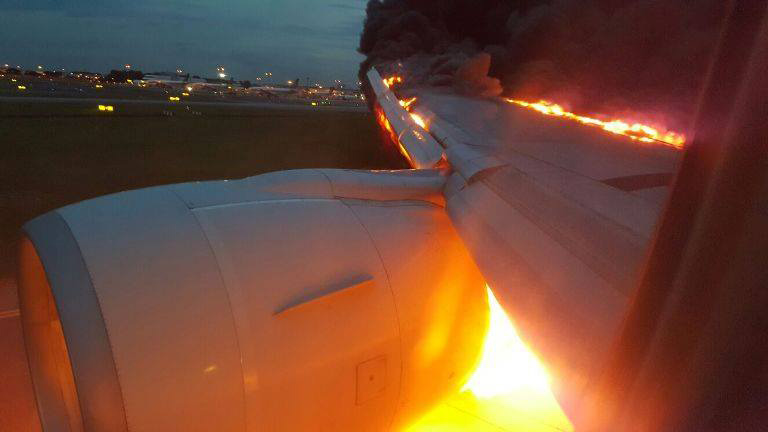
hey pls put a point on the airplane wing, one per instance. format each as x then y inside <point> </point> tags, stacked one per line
<point>557,216</point>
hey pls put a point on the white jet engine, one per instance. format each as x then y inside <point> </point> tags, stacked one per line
<point>307,300</point>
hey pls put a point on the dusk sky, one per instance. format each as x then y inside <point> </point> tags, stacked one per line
<point>290,38</point>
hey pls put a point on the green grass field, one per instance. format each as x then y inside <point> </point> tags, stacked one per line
<point>57,153</point>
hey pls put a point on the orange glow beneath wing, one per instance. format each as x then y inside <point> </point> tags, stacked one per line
<point>509,390</point>
<point>635,131</point>
<point>384,122</point>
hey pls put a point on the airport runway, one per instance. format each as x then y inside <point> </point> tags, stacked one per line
<point>283,105</point>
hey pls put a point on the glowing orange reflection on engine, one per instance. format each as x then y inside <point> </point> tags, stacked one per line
<point>509,389</point>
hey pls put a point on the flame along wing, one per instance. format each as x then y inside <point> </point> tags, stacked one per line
<point>558,217</point>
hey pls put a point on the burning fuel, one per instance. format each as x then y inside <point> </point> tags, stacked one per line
<point>506,364</point>
<point>406,103</point>
<point>509,389</point>
<point>419,120</point>
<point>382,118</point>
<point>635,131</point>
<point>387,126</point>
<point>389,82</point>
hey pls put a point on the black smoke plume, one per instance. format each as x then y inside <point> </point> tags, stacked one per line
<point>643,58</point>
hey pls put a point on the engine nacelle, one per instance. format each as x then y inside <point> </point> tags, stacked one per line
<point>321,300</point>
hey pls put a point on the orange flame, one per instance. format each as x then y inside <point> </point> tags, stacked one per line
<point>392,80</point>
<point>419,120</point>
<point>407,103</point>
<point>635,131</point>
<point>509,389</point>
<point>384,122</point>
<point>506,364</point>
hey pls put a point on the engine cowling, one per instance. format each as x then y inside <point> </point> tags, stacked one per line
<point>304,300</point>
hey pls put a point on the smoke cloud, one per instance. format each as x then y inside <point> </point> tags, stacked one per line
<point>641,58</point>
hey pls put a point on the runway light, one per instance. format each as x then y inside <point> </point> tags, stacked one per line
<point>108,108</point>
<point>13,79</point>
<point>173,98</point>
<point>314,103</point>
<point>185,94</point>
<point>21,87</point>
<point>98,86</point>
